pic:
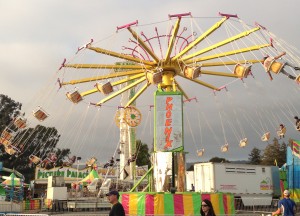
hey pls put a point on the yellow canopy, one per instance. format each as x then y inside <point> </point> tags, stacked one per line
<point>91,176</point>
<point>8,180</point>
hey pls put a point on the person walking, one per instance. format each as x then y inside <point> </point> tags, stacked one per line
<point>286,206</point>
<point>207,208</point>
<point>117,208</point>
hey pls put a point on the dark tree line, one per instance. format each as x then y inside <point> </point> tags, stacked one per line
<point>39,141</point>
<point>273,154</point>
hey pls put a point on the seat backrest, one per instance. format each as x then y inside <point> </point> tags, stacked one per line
<point>283,130</point>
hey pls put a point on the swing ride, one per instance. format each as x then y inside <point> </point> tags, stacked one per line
<point>163,61</point>
<point>212,56</point>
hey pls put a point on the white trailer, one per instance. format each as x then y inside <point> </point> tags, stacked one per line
<point>255,184</point>
<point>190,180</point>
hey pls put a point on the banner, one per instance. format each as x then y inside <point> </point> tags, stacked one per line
<point>67,172</point>
<point>188,203</point>
<point>168,131</point>
<point>70,173</point>
<point>296,148</point>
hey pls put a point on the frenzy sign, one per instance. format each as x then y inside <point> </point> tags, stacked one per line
<point>168,121</point>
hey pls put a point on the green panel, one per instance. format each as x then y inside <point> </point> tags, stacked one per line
<point>2,191</point>
<point>282,175</point>
<point>120,198</point>
<point>221,203</point>
<point>141,204</point>
<point>196,203</point>
<point>169,204</point>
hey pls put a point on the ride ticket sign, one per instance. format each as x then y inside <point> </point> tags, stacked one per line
<point>168,130</point>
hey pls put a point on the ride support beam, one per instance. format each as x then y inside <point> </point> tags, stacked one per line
<point>148,173</point>
<point>127,79</point>
<point>172,40</point>
<point>94,90</point>
<point>137,94</point>
<point>167,81</point>
<point>106,66</point>
<point>119,55</point>
<point>201,83</point>
<point>142,43</point>
<point>212,64</point>
<point>121,91</point>
<point>222,43</point>
<point>229,53</point>
<point>108,76</point>
<point>200,38</point>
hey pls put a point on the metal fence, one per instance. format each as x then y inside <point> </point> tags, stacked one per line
<point>92,208</point>
<point>10,207</point>
<point>20,214</point>
<point>257,205</point>
<point>105,214</point>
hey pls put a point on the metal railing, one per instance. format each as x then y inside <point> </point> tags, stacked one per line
<point>10,207</point>
<point>252,206</point>
<point>257,205</point>
<point>20,214</point>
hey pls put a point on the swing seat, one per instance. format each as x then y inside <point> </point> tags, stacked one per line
<point>10,150</point>
<point>40,114</point>
<point>243,142</point>
<point>74,96</point>
<point>242,71</point>
<point>192,72</point>
<point>281,132</point>
<point>200,152</point>
<point>91,161</point>
<point>105,88</point>
<point>154,78</point>
<point>265,137</point>
<point>5,142</point>
<point>298,79</point>
<point>224,148</point>
<point>7,134</point>
<point>34,159</point>
<point>20,122</point>
<point>275,66</point>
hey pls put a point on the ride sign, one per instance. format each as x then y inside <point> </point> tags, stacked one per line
<point>168,121</point>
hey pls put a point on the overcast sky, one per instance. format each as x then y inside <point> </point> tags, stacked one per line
<point>37,35</point>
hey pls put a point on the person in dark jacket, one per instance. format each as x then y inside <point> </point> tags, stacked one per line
<point>117,208</point>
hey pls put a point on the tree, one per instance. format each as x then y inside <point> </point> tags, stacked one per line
<point>275,154</point>
<point>39,141</point>
<point>255,156</point>
<point>9,109</point>
<point>219,160</point>
<point>143,156</point>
